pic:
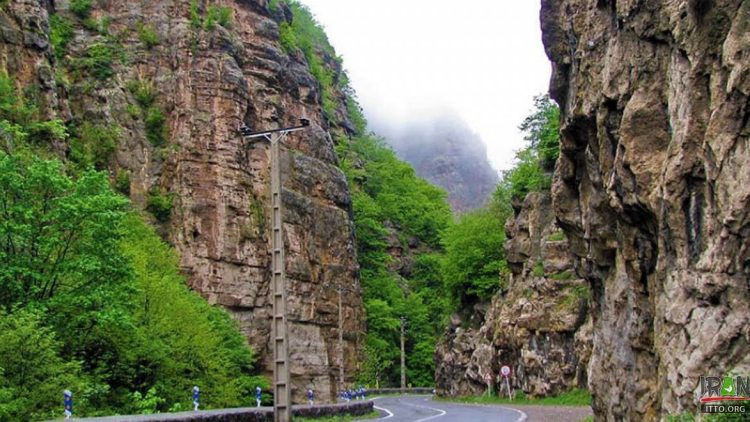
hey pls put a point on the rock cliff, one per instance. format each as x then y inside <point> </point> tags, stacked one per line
<point>445,151</point>
<point>538,326</point>
<point>175,81</point>
<point>651,189</point>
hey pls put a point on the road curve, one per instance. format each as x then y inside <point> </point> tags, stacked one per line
<point>423,409</point>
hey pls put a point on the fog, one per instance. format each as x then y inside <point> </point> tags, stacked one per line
<point>406,59</point>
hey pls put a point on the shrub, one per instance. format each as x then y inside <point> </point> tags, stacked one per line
<point>98,61</point>
<point>195,15</point>
<point>156,131</point>
<point>563,275</point>
<point>143,91</point>
<point>159,204</point>
<point>122,182</point>
<point>287,38</point>
<point>81,8</point>
<point>60,34</point>
<point>218,14</point>
<point>133,111</point>
<point>148,36</point>
<point>94,145</point>
<point>538,269</point>
<point>100,25</point>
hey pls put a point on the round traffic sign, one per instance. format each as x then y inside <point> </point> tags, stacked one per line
<point>505,371</point>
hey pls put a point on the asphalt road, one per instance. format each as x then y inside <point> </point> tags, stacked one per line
<point>423,408</point>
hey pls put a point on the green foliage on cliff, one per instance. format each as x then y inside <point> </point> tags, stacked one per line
<point>159,204</point>
<point>147,35</point>
<point>91,299</point>
<point>81,8</point>
<point>94,145</point>
<point>60,34</point>
<point>304,34</point>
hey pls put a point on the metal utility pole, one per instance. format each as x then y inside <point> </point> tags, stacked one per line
<point>403,356</point>
<point>341,343</point>
<point>282,389</point>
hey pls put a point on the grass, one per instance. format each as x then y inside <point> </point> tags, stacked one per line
<point>147,35</point>
<point>340,418</point>
<point>557,236</point>
<point>538,269</point>
<point>575,397</point>
<point>562,276</point>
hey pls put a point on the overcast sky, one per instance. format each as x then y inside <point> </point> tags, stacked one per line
<point>405,58</point>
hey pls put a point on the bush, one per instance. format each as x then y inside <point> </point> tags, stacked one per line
<point>195,15</point>
<point>122,182</point>
<point>94,145</point>
<point>60,34</point>
<point>143,91</point>
<point>156,131</point>
<point>538,269</point>
<point>81,8</point>
<point>287,38</point>
<point>159,204</point>
<point>98,61</point>
<point>147,34</point>
<point>218,14</point>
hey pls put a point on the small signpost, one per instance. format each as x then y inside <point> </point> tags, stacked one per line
<point>488,380</point>
<point>68,403</point>
<point>196,398</point>
<point>505,373</point>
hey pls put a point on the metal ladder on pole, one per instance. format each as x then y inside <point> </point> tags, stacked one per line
<point>282,389</point>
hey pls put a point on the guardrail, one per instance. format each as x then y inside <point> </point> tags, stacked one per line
<point>416,390</point>
<point>244,414</point>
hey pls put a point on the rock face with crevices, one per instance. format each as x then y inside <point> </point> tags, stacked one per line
<point>651,189</point>
<point>207,79</point>
<point>539,326</point>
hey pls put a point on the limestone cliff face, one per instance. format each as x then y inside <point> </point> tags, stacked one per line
<point>538,326</point>
<point>208,81</point>
<point>651,188</point>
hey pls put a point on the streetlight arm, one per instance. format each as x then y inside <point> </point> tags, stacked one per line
<point>247,133</point>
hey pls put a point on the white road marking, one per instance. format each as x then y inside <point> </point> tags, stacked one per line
<point>442,412</point>
<point>521,418</point>
<point>390,414</point>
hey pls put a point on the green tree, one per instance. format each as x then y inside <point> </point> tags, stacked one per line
<point>474,257</point>
<point>57,235</point>
<point>390,201</point>
<point>542,129</point>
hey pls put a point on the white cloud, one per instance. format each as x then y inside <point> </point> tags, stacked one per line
<point>482,58</point>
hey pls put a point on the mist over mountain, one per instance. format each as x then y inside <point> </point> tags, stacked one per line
<point>445,151</point>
